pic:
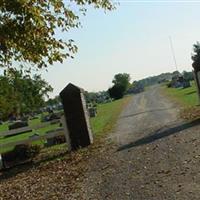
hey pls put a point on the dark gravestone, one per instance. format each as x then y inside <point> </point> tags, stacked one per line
<point>76,117</point>
<point>92,112</point>
<point>186,84</point>
<point>55,140</point>
<point>18,124</point>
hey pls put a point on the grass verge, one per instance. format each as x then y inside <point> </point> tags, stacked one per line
<point>187,98</point>
<point>107,115</point>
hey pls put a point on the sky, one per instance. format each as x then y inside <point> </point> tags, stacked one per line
<point>132,39</point>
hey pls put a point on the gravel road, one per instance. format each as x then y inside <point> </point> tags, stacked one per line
<point>155,155</point>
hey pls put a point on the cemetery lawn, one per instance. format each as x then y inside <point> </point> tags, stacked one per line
<point>23,136</point>
<point>186,97</point>
<point>107,115</point>
<point>4,127</point>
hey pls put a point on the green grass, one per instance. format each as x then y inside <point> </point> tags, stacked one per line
<point>107,115</point>
<point>34,122</point>
<point>23,136</point>
<point>4,127</point>
<point>186,97</point>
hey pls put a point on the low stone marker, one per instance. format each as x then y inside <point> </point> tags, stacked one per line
<point>76,117</point>
<point>92,112</point>
<point>18,124</point>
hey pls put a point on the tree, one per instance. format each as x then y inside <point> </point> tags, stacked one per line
<point>116,91</point>
<point>121,84</point>
<point>20,93</point>
<point>28,29</point>
<point>188,76</point>
<point>123,80</point>
<point>176,73</point>
<point>7,100</point>
<point>196,57</point>
<point>53,101</point>
<point>196,65</point>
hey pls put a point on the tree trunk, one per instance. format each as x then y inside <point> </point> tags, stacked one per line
<point>197,82</point>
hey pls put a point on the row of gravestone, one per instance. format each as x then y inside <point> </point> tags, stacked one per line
<point>76,123</point>
<point>77,126</point>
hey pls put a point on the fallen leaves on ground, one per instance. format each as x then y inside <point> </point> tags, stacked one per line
<point>51,179</point>
<point>190,113</point>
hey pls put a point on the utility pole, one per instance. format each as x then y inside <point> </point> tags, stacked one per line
<point>173,53</point>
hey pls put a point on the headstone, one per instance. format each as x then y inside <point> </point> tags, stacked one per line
<point>92,111</point>
<point>18,124</point>
<point>186,84</point>
<point>53,116</point>
<point>76,117</point>
<point>35,135</point>
<point>55,140</point>
<point>50,142</point>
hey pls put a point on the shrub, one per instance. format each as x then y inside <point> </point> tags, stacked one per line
<point>21,153</point>
<point>116,92</point>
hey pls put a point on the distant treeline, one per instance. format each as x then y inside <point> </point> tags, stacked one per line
<point>152,80</point>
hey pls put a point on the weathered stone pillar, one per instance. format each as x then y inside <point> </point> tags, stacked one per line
<point>76,117</point>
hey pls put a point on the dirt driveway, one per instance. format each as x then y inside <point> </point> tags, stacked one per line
<point>155,155</point>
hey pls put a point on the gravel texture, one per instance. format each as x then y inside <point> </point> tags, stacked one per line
<point>155,156</point>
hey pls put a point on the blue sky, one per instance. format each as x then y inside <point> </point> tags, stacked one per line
<point>133,39</point>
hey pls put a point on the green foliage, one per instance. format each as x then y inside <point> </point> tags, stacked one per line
<point>53,101</point>
<point>122,80</point>
<point>41,131</point>
<point>28,29</point>
<point>135,87</point>
<point>196,57</point>
<point>176,74</point>
<point>188,76</point>
<point>155,79</point>
<point>121,84</point>
<point>21,93</point>
<point>164,77</point>
<point>97,97</point>
<point>116,92</point>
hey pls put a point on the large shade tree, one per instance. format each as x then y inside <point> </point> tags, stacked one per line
<point>28,29</point>
<point>121,83</point>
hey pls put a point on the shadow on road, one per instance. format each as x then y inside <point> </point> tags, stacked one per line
<point>160,134</point>
<point>148,111</point>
